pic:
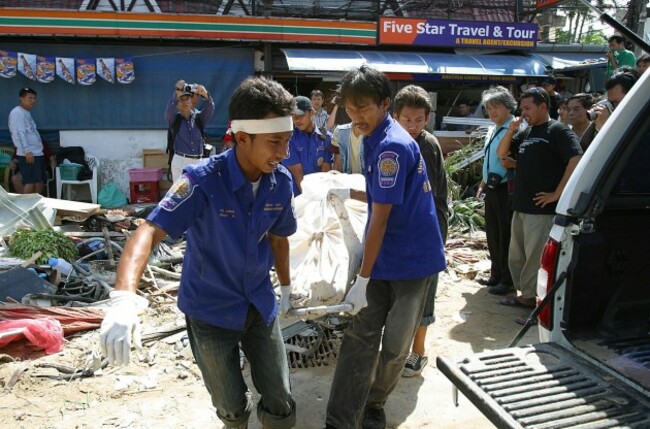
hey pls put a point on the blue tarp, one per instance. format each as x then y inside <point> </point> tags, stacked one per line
<point>139,105</point>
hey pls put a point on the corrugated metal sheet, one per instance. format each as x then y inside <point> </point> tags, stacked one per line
<point>361,10</point>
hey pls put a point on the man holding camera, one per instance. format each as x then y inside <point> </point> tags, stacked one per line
<point>617,88</point>
<point>500,105</point>
<point>185,137</point>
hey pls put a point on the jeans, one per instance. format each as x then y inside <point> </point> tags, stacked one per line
<point>216,351</point>
<point>364,376</point>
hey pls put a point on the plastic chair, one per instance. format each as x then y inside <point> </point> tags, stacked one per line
<point>93,163</point>
<point>51,177</point>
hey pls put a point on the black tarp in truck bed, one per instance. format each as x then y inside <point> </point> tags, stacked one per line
<point>545,386</point>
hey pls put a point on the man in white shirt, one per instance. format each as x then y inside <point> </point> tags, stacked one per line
<point>29,147</point>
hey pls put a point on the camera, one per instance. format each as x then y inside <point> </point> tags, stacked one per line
<point>191,88</point>
<point>592,114</point>
<point>493,180</point>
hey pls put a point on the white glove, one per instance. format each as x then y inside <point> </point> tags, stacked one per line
<point>285,301</point>
<point>290,299</point>
<point>340,193</point>
<point>357,295</point>
<point>120,327</point>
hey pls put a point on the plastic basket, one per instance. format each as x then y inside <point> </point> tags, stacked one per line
<point>70,171</point>
<point>145,174</point>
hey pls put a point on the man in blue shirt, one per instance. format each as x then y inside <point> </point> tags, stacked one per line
<point>187,124</point>
<point>402,251</point>
<point>309,150</point>
<point>237,210</point>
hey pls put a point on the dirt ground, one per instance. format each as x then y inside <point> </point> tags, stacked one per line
<point>162,388</point>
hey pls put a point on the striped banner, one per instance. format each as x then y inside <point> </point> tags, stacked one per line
<point>167,26</point>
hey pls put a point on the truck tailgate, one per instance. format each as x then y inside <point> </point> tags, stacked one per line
<point>546,386</point>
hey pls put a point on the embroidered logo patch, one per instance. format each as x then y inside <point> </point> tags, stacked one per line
<point>180,191</point>
<point>388,169</point>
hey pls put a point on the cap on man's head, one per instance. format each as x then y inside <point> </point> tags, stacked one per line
<point>303,104</point>
<point>549,80</point>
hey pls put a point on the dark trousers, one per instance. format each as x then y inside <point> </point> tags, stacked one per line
<point>364,375</point>
<point>498,218</point>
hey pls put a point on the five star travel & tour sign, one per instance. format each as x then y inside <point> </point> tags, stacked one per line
<point>456,34</point>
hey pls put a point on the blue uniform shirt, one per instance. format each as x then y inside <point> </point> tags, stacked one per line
<point>310,151</point>
<point>396,174</point>
<point>228,256</point>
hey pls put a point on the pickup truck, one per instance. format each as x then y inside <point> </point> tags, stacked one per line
<point>592,366</point>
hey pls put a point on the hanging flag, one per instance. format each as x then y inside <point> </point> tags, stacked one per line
<point>26,65</point>
<point>106,69</point>
<point>8,62</point>
<point>124,70</point>
<point>64,67</point>
<point>86,71</point>
<point>45,69</point>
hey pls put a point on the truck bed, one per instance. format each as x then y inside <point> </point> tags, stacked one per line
<point>546,386</point>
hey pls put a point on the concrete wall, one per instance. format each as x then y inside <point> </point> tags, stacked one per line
<point>117,150</point>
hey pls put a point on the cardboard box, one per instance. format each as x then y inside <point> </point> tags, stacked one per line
<point>155,158</point>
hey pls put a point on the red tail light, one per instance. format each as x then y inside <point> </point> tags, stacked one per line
<point>545,279</point>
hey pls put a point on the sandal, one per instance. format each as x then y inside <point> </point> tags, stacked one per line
<point>514,301</point>
<point>521,320</point>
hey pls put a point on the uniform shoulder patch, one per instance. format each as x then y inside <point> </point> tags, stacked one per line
<point>388,167</point>
<point>180,191</point>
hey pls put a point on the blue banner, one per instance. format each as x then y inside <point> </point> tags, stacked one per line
<point>456,34</point>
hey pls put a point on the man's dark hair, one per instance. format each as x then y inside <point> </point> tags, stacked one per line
<point>625,79</point>
<point>586,100</point>
<point>645,58</point>
<point>539,96</point>
<point>256,97</point>
<point>412,96</point>
<point>616,38</point>
<point>317,92</point>
<point>24,91</point>
<point>364,82</point>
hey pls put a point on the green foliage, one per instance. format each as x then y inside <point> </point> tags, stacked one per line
<point>596,37</point>
<point>563,36</point>
<point>24,243</point>
<point>466,212</point>
<point>467,215</point>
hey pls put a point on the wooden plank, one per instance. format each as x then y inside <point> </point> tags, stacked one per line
<point>71,206</point>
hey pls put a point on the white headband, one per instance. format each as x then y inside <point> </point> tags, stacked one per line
<point>262,126</point>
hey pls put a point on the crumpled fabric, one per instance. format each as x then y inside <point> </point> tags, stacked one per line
<point>326,250</point>
<point>45,334</point>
